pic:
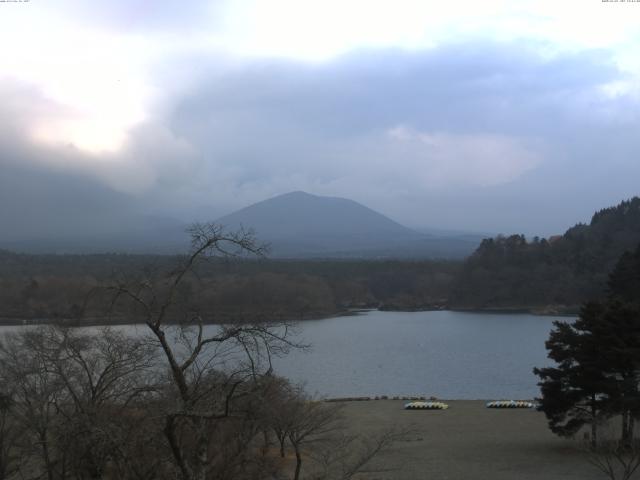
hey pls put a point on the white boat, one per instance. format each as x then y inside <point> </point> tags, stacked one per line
<point>426,406</point>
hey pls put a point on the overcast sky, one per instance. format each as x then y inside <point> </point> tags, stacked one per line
<point>491,116</point>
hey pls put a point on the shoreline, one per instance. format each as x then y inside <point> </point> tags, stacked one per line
<point>546,311</point>
<point>422,398</point>
<point>100,321</point>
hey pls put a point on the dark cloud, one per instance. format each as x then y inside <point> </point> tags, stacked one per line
<point>452,88</point>
<point>323,126</point>
<point>487,137</point>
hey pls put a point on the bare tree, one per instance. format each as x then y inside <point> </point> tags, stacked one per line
<point>104,374</point>
<point>316,431</point>
<point>617,459</point>
<point>311,422</point>
<point>195,355</point>
<point>345,456</point>
<point>35,392</point>
<point>10,436</point>
<point>72,393</point>
<point>282,403</point>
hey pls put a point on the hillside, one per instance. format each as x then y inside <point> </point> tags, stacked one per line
<point>299,224</point>
<point>555,274</point>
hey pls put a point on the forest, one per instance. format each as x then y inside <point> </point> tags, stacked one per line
<point>39,287</point>
<point>553,275</point>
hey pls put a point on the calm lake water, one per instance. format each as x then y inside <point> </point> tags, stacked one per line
<point>450,355</point>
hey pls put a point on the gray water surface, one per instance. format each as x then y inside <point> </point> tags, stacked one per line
<point>452,355</point>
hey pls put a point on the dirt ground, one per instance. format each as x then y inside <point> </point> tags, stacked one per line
<point>468,441</point>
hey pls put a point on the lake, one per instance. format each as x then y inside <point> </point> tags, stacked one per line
<point>451,355</point>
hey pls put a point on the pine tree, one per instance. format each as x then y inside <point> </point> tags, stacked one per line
<point>624,281</point>
<point>576,392</point>
<point>598,360</point>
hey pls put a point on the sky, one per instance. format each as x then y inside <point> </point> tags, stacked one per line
<point>489,116</point>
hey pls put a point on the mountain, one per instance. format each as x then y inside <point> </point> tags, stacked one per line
<point>299,224</point>
<point>296,225</point>
<point>565,270</point>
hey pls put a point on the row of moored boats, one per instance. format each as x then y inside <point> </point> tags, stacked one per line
<point>493,404</point>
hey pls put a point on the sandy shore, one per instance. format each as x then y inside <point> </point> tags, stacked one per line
<point>469,441</point>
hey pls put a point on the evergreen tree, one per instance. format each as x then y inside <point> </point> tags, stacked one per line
<point>624,281</point>
<point>623,341</point>
<point>598,359</point>
<point>576,392</point>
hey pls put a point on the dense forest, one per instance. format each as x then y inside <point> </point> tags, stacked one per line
<point>552,275</point>
<point>555,274</point>
<point>69,286</point>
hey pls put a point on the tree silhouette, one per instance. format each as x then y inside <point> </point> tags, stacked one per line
<point>598,360</point>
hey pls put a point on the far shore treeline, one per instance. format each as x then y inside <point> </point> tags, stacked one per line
<point>507,273</point>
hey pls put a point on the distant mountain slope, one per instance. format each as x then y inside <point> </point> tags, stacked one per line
<point>565,270</point>
<point>299,224</point>
<point>298,214</point>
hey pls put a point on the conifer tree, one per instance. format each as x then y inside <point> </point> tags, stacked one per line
<point>598,360</point>
<point>576,392</point>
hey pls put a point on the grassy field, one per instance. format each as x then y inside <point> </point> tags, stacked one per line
<point>468,441</point>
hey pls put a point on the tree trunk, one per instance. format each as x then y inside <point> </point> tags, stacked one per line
<point>169,431</point>
<point>200,426</point>
<point>625,427</point>
<point>594,423</point>
<point>282,440</point>
<point>298,462</point>
<point>267,442</point>
<point>45,453</point>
